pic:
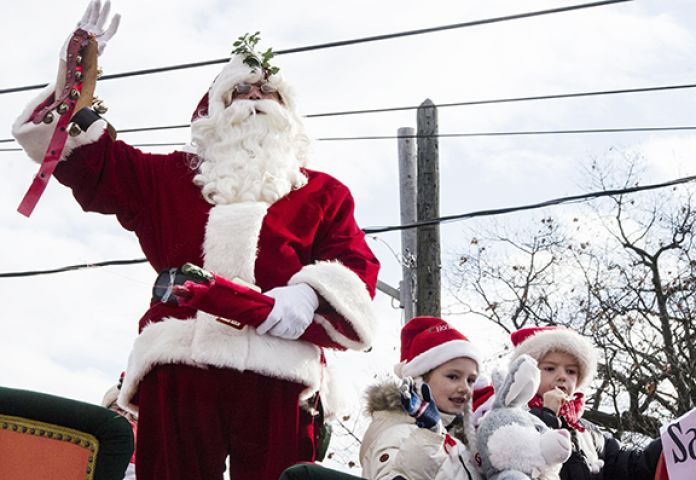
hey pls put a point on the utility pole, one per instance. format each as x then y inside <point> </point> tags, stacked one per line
<point>407,196</point>
<point>428,237</point>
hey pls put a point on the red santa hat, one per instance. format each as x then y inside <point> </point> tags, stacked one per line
<point>539,341</point>
<point>427,343</point>
<point>481,401</point>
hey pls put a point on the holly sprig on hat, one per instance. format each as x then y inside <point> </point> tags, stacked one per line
<point>246,47</point>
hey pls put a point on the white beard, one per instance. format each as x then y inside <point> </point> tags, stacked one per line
<point>248,152</point>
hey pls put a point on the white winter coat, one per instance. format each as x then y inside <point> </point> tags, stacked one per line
<point>393,445</point>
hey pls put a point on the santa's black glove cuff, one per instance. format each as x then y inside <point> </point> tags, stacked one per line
<point>85,117</point>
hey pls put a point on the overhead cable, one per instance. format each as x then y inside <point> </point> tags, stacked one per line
<point>342,43</point>
<point>513,133</point>
<point>507,100</point>
<point>440,105</point>
<point>455,135</point>
<point>557,201</point>
<point>69,268</point>
<point>445,219</point>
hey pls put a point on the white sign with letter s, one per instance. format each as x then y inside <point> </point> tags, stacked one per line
<point>679,446</point>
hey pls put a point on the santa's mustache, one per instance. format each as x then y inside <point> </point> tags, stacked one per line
<point>271,111</point>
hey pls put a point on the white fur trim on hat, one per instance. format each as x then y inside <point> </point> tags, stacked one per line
<point>561,340</point>
<point>436,356</point>
<point>236,71</point>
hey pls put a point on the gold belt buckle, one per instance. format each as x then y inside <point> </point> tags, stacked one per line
<point>230,323</point>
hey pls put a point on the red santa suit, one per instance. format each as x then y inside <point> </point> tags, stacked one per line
<point>204,389</point>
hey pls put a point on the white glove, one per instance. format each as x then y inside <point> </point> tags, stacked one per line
<point>292,312</point>
<point>93,22</point>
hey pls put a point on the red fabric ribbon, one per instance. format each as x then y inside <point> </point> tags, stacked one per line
<point>571,410</point>
<point>56,144</point>
<point>448,443</point>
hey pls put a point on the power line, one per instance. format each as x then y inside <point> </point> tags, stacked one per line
<point>445,105</point>
<point>437,221</point>
<point>509,100</point>
<point>533,206</point>
<point>442,105</point>
<point>71,267</point>
<point>455,135</point>
<point>342,43</point>
<point>150,129</point>
<point>513,133</point>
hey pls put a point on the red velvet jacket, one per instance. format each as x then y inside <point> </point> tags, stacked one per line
<point>309,236</point>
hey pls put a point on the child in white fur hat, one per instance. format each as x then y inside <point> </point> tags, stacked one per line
<point>568,363</point>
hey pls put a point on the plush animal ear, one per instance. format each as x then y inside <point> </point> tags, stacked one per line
<point>497,378</point>
<point>522,381</point>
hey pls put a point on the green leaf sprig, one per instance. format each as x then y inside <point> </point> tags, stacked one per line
<point>246,47</point>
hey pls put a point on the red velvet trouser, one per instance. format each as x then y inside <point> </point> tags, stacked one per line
<point>191,419</point>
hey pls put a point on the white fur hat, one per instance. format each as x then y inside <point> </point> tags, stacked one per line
<point>538,341</point>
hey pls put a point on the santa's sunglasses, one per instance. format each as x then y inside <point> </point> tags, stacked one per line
<point>265,88</point>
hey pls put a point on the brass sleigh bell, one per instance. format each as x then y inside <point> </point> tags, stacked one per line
<point>99,106</point>
<point>74,129</point>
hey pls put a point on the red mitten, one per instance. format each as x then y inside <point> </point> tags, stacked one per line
<point>237,305</point>
<point>234,304</point>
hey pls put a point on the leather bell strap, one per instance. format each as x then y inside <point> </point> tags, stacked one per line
<point>65,106</point>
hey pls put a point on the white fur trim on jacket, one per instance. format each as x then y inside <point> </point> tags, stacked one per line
<point>230,245</point>
<point>563,340</point>
<point>221,346</point>
<point>232,238</point>
<point>347,294</point>
<point>168,341</point>
<point>34,138</point>
<point>203,342</point>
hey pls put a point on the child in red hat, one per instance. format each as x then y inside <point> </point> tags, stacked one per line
<point>568,363</point>
<point>422,427</point>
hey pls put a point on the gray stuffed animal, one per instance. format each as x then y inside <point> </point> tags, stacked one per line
<point>514,444</point>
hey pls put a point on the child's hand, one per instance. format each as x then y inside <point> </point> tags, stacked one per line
<point>421,407</point>
<point>554,399</point>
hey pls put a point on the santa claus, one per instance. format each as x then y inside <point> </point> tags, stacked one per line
<point>239,202</point>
